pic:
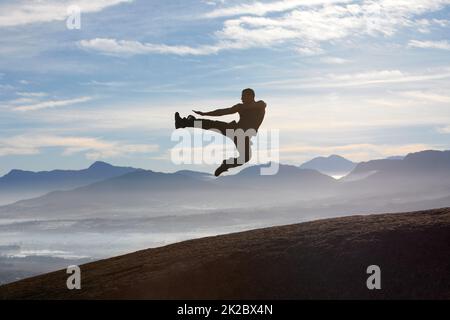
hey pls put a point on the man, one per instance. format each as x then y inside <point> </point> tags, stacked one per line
<point>251,115</point>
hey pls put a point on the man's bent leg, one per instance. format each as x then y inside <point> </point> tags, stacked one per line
<point>245,154</point>
<point>242,143</point>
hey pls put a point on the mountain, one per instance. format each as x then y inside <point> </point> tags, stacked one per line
<point>137,191</point>
<point>420,176</point>
<point>396,158</point>
<point>62,178</point>
<point>195,174</point>
<point>428,164</point>
<point>431,160</point>
<point>323,259</point>
<point>156,192</point>
<point>19,184</point>
<point>366,169</point>
<point>333,165</point>
<point>378,184</point>
<point>289,182</point>
<point>279,173</point>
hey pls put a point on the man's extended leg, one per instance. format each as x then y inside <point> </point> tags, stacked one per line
<point>206,124</point>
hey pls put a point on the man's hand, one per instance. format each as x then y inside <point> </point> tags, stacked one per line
<point>200,113</point>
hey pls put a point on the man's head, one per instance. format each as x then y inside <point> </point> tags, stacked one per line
<point>248,96</point>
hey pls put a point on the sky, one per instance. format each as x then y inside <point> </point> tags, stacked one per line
<point>364,79</point>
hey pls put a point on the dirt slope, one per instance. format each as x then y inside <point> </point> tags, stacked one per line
<point>321,259</point>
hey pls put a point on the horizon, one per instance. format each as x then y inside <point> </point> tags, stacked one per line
<point>236,172</point>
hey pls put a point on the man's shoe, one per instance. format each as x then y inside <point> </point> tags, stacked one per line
<point>221,169</point>
<point>178,121</point>
<point>190,121</point>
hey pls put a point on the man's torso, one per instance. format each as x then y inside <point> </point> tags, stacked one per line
<point>252,115</point>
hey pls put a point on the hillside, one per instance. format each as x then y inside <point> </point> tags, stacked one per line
<point>319,259</point>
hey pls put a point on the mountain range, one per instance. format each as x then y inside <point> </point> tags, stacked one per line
<point>132,208</point>
<point>419,176</point>
<point>20,184</point>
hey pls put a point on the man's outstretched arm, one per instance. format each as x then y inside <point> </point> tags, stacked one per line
<point>219,112</point>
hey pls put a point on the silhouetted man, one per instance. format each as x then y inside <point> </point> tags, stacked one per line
<point>251,115</point>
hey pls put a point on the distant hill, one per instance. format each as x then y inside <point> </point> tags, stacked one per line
<point>136,190</point>
<point>420,176</point>
<point>196,174</point>
<point>366,169</point>
<point>430,160</point>
<point>396,158</point>
<point>429,164</point>
<point>385,184</point>
<point>285,174</point>
<point>145,189</point>
<point>19,184</point>
<point>333,165</point>
<point>289,182</point>
<point>324,259</point>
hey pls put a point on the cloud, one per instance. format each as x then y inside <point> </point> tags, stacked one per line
<point>22,101</point>
<point>441,22</point>
<point>26,12</point>
<point>6,87</point>
<point>31,94</point>
<point>357,79</point>
<point>213,2</point>
<point>361,115</point>
<point>311,50</point>
<point>94,148</point>
<point>329,22</point>
<point>113,84</point>
<point>303,25</point>
<point>129,48</point>
<point>428,96</point>
<point>51,104</point>
<point>444,130</point>
<point>263,8</point>
<point>334,60</point>
<point>443,45</point>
